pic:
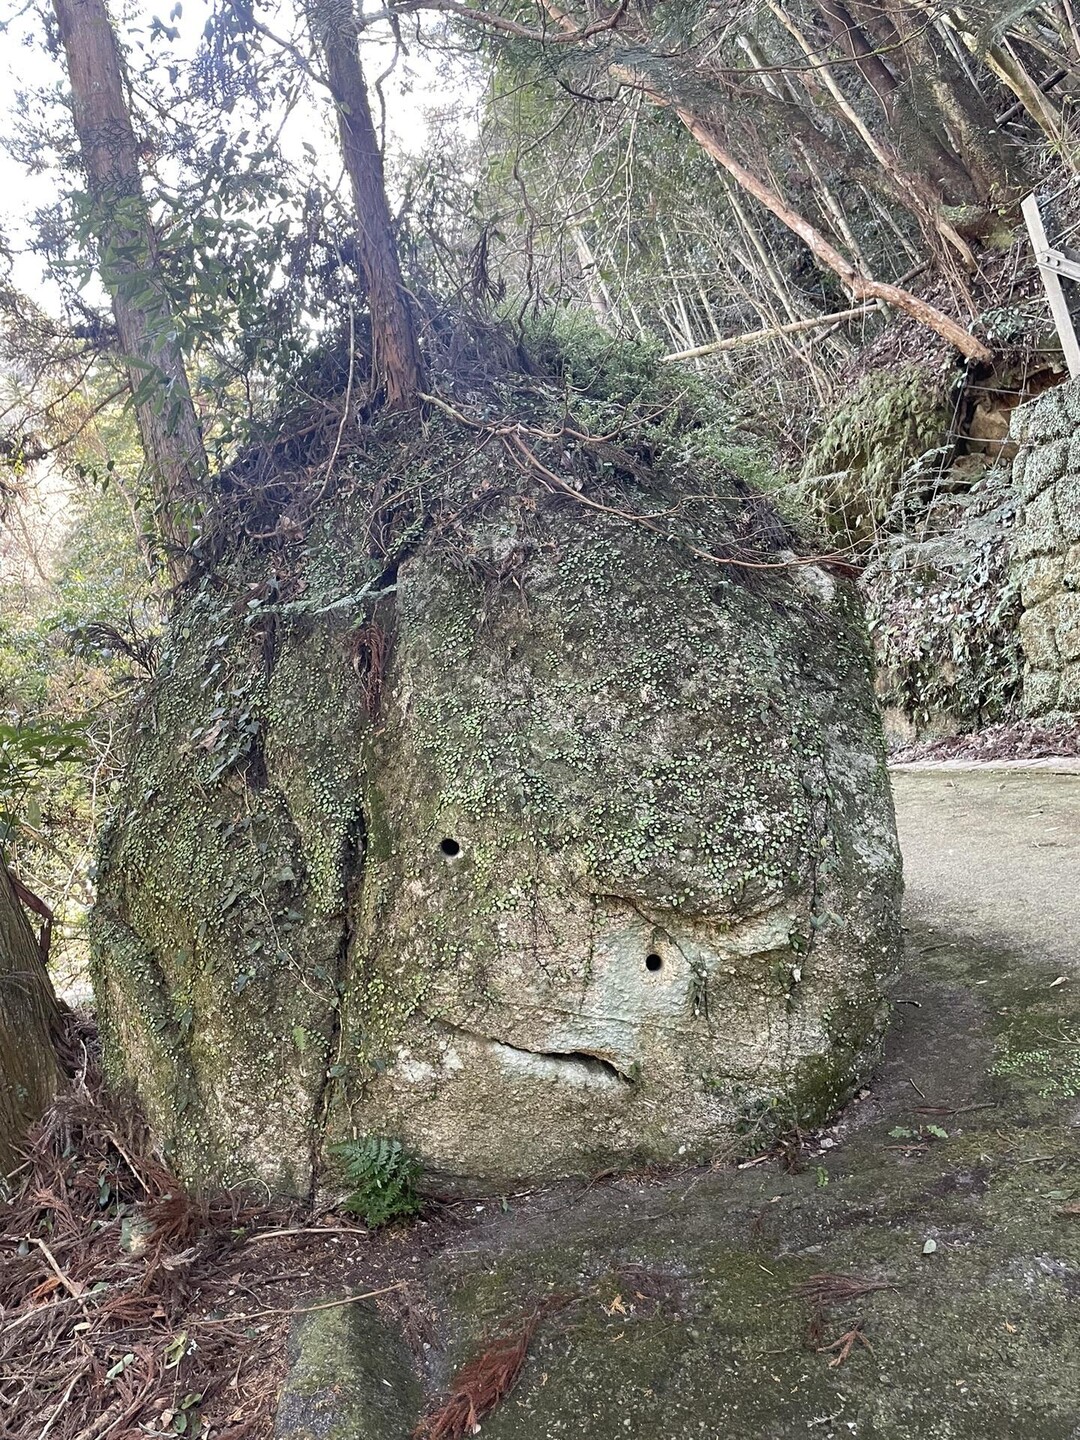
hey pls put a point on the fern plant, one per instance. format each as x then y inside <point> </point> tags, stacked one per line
<point>384,1178</point>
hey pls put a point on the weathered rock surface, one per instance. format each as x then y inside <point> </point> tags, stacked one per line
<point>351,1377</point>
<point>575,849</point>
<point>1048,478</point>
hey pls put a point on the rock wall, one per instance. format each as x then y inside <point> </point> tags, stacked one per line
<point>1047,478</point>
<point>918,480</point>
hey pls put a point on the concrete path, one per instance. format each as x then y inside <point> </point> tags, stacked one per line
<point>993,855</point>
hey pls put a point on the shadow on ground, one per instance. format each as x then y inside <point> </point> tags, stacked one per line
<point>954,1178</point>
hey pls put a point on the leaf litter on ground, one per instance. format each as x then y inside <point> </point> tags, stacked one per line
<point>129,1308</point>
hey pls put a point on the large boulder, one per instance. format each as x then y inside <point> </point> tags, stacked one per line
<point>547,840</point>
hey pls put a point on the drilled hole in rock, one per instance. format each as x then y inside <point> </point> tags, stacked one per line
<point>653,962</point>
<point>449,847</point>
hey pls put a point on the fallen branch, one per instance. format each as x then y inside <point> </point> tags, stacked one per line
<point>838,1289</point>
<point>753,337</point>
<point>845,1344</point>
<point>105,1421</point>
<point>306,1309</point>
<point>73,1287</point>
<point>321,1230</point>
<point>837,562</point>
<point>78,1375</point>
<point>859,286</point>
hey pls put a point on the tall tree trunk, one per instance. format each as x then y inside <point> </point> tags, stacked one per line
<point>939,161</point>
<point>912,190</point>
<point>130,268</point>
<point>397,362</point>
<point>854,43</point>
<point>29,1014</point>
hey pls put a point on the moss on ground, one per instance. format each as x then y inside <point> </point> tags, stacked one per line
<point>350,1378</point>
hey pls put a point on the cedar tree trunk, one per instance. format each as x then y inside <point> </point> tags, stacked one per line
<point>29,1014</point>
<point>129,265</point>
<point>397,364</point>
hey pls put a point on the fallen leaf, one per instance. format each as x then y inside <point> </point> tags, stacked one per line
<point>929,1247</point>
<point>844,1346</point>
<point>210,739</point>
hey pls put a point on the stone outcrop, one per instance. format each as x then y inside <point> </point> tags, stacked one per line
<point>575,848</point>
<point>1047,478</point>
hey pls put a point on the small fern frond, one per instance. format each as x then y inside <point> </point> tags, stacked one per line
<point>384,1177</point>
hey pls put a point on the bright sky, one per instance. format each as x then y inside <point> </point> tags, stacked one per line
<point>419,83</point>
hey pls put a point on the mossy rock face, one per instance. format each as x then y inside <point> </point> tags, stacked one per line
<point>350,1378</point>
<point>874,438</point>
<point>219,932</point>
<point>580,852</point>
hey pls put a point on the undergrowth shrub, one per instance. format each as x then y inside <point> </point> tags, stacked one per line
<point>610,381</point>
<point>383,1176</point>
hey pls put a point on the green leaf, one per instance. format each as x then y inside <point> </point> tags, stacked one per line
<point>114,1371</point>
<point>176,1350</point>
<point>384,1175</point>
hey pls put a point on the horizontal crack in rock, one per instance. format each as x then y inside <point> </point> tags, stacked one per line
<point>583,1062</point>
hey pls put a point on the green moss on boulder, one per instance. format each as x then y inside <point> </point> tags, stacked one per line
<point>350,1377</point>
<point>536,836</point>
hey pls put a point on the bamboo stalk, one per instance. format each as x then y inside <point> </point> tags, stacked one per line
<point>860,286</point>
<point>1004,62</point>
<point>1068,16</point>
<point>922,202</point>
<point>776,278</point>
